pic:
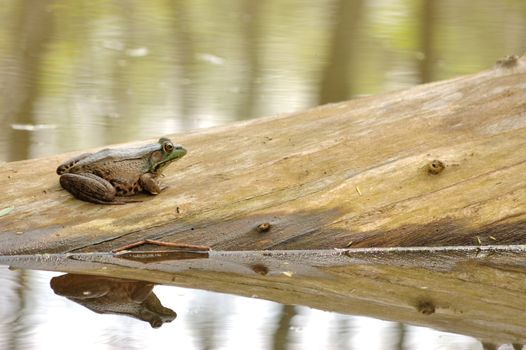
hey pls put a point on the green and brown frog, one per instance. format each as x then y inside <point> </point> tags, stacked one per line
<point>102,176</point>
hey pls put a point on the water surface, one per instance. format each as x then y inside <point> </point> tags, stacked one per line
<point>33,317</point>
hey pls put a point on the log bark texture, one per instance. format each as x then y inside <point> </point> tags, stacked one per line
<point>437,164</point>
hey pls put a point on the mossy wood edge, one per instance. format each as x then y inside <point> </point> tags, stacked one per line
<point>362,173</point>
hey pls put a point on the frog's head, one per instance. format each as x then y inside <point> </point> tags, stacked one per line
<point>167,153</point>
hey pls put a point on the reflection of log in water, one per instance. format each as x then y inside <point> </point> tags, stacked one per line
<point>476,291</point>
<point>106,295</point>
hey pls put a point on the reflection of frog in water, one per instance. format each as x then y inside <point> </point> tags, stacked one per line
<point>106,295</point>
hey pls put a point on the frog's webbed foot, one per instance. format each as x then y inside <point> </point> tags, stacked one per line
<point>89,187</point>
<point>150,184</point>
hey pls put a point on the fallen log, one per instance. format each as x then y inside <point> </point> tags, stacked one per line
<point>437,164</point>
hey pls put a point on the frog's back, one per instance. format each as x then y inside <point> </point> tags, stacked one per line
<point>110,159</point>
<point>115,166</point>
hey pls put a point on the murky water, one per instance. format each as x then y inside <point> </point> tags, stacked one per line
<point>79,74</point>
<point>33,317</point>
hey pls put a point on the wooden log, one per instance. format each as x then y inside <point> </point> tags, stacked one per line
<point>437,164</point>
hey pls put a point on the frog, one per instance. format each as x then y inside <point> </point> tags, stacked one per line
<point>106,176</point>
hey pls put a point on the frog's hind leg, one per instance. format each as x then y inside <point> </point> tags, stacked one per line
<point>64,167</point>
<point>89,187</point>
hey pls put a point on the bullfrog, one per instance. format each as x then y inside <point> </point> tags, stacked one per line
<point>102,176</point>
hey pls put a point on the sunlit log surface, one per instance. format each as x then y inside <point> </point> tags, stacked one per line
<point>475,291</point>
<point>366,172</point>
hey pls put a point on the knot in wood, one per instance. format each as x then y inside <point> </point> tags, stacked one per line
<point>260,269</point>
<point>426,307</point>
<point>435,167</point>
<point>264,227</point>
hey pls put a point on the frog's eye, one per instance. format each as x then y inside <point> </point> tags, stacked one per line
<point>168,147</point>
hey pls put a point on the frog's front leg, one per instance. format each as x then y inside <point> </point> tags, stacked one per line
<point>150,184</point>
<point>89,187</point>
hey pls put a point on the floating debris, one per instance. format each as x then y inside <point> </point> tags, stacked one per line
<point>33,127</point>
<point>213,59</point>
<point>137,52</point>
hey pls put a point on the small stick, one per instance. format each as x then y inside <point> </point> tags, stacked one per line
<point>162,243</point>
